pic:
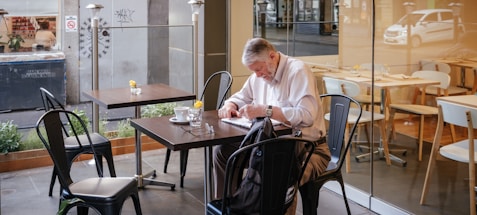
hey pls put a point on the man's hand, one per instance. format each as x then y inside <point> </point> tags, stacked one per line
<point>251,111</point>
<point>229,110</point>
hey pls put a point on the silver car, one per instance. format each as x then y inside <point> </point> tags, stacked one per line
<point>428,25</point>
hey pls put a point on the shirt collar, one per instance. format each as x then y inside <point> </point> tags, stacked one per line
<point>280,69</point>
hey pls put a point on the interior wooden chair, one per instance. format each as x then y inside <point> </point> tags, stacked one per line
<point>222,79</point>
<point>461,151</point>
<point>435,90</point>
<point>366,99</point>
<point>352,89</point>
<point>105,195</point>
<point>339,138</point>
<point>279,162</point>
<point>102,144</point>
<point>421,110</point>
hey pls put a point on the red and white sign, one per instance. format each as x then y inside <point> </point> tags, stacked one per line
<point>71,24</point>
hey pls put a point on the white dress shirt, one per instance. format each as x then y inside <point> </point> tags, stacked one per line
<point>294,90</point>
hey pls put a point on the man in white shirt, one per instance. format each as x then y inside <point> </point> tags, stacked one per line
<point>284,89</point>
<point>45,37</point>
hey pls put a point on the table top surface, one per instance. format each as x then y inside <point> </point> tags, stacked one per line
<point>150,94</point>
<point>466,100</point>
<point>468,63</point>
<point>181,137</point>
<point>385,81</point>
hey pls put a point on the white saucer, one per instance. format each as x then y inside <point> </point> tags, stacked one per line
<point>174,120</point>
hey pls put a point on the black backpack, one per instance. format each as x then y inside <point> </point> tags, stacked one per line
<point>246,198</point>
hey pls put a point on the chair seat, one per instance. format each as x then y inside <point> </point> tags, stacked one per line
<point>103,189</point>
<point>96,139</point>
<point>415,109</point>
<point>452,90</point>
<point>458,151</point>
<point>366,99</point>
<point>353,115</point>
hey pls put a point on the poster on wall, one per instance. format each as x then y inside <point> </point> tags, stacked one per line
<point>71,23</point>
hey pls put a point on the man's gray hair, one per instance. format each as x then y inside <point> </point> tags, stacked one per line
<point>256,49</point>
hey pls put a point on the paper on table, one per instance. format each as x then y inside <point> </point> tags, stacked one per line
<point>357,79</point>
<point>244,122</point>
<point>400,76</point>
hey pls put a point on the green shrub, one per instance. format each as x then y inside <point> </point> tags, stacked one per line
<point>156,110</point>
<point>76,124</point>
<point>10,137</point>
<point>125,129</point>
<point>32,141</point>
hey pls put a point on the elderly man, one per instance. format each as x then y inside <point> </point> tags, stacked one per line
<point>284,89</point>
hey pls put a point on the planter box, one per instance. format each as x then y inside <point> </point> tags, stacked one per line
<point>39,157</point>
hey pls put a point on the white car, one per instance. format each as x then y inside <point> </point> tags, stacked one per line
<point>428,25</point>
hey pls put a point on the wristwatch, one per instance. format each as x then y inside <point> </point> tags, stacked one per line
<point>268,111</point>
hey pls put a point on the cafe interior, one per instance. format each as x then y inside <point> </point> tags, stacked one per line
<point>379,44</point>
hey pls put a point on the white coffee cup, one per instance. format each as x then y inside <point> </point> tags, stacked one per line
<point>181,113</point>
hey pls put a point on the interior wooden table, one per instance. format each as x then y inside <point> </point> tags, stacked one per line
<point>150,94</point>
<point>181,136</point>
<point>384,83</point>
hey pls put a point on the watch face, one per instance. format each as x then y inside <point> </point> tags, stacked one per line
<point>104,38</point>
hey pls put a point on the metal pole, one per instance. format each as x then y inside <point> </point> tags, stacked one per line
<point>195,21</point>
<point>262,22</point>
<point>409,43</point>
<point>94,25</point>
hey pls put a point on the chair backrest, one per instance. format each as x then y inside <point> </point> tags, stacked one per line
<point>54,141</point>
<point>427,65</point>
<point>224,79</point>
<point>49,100</point>
<point>280,168</point>
<point>443,78</point>
<point>339,109</point>
<point>340,86</point>
<point>443,67</point>
<point>455,114</point>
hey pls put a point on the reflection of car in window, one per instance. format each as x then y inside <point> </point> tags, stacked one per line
<point>427,25</point>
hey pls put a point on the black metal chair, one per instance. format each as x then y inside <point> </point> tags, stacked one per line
<point>280,169</point>
<point>224,81</point>
<point>101,144</point>
<point>105,195</point>
<point>339,109</point>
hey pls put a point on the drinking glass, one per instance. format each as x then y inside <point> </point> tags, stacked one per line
<point>195,117</point>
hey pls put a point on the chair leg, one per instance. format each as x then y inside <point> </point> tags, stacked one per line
<point>137,204</point>
<point>166,161</point>
<point>52,181</point>
<point>108,155</point>
<point>421,136</point>
<point>99,167</point>
<point>384,140</point>
<point>310,195</point>
<point>339,178</point>
<point>348,154</point>
<point>184,155</point>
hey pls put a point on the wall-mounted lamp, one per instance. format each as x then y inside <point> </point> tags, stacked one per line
<point>95,9</point>
<point>2,12</point>
<point>195,6</point>
<point>262,5</point>
<point>456,6</point>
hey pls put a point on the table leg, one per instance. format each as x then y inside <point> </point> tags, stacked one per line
<point>208,182</point>
<point>143,180</point>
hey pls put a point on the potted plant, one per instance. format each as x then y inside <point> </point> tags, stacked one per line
<point>14,41</point>
<point>2,45</point>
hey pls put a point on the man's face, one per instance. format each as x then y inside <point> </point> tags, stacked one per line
<point>264,69</point>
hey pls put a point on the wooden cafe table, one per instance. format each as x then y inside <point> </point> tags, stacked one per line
<point>150,94</point>
<point>181,136</point>
<point>384,83</point>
